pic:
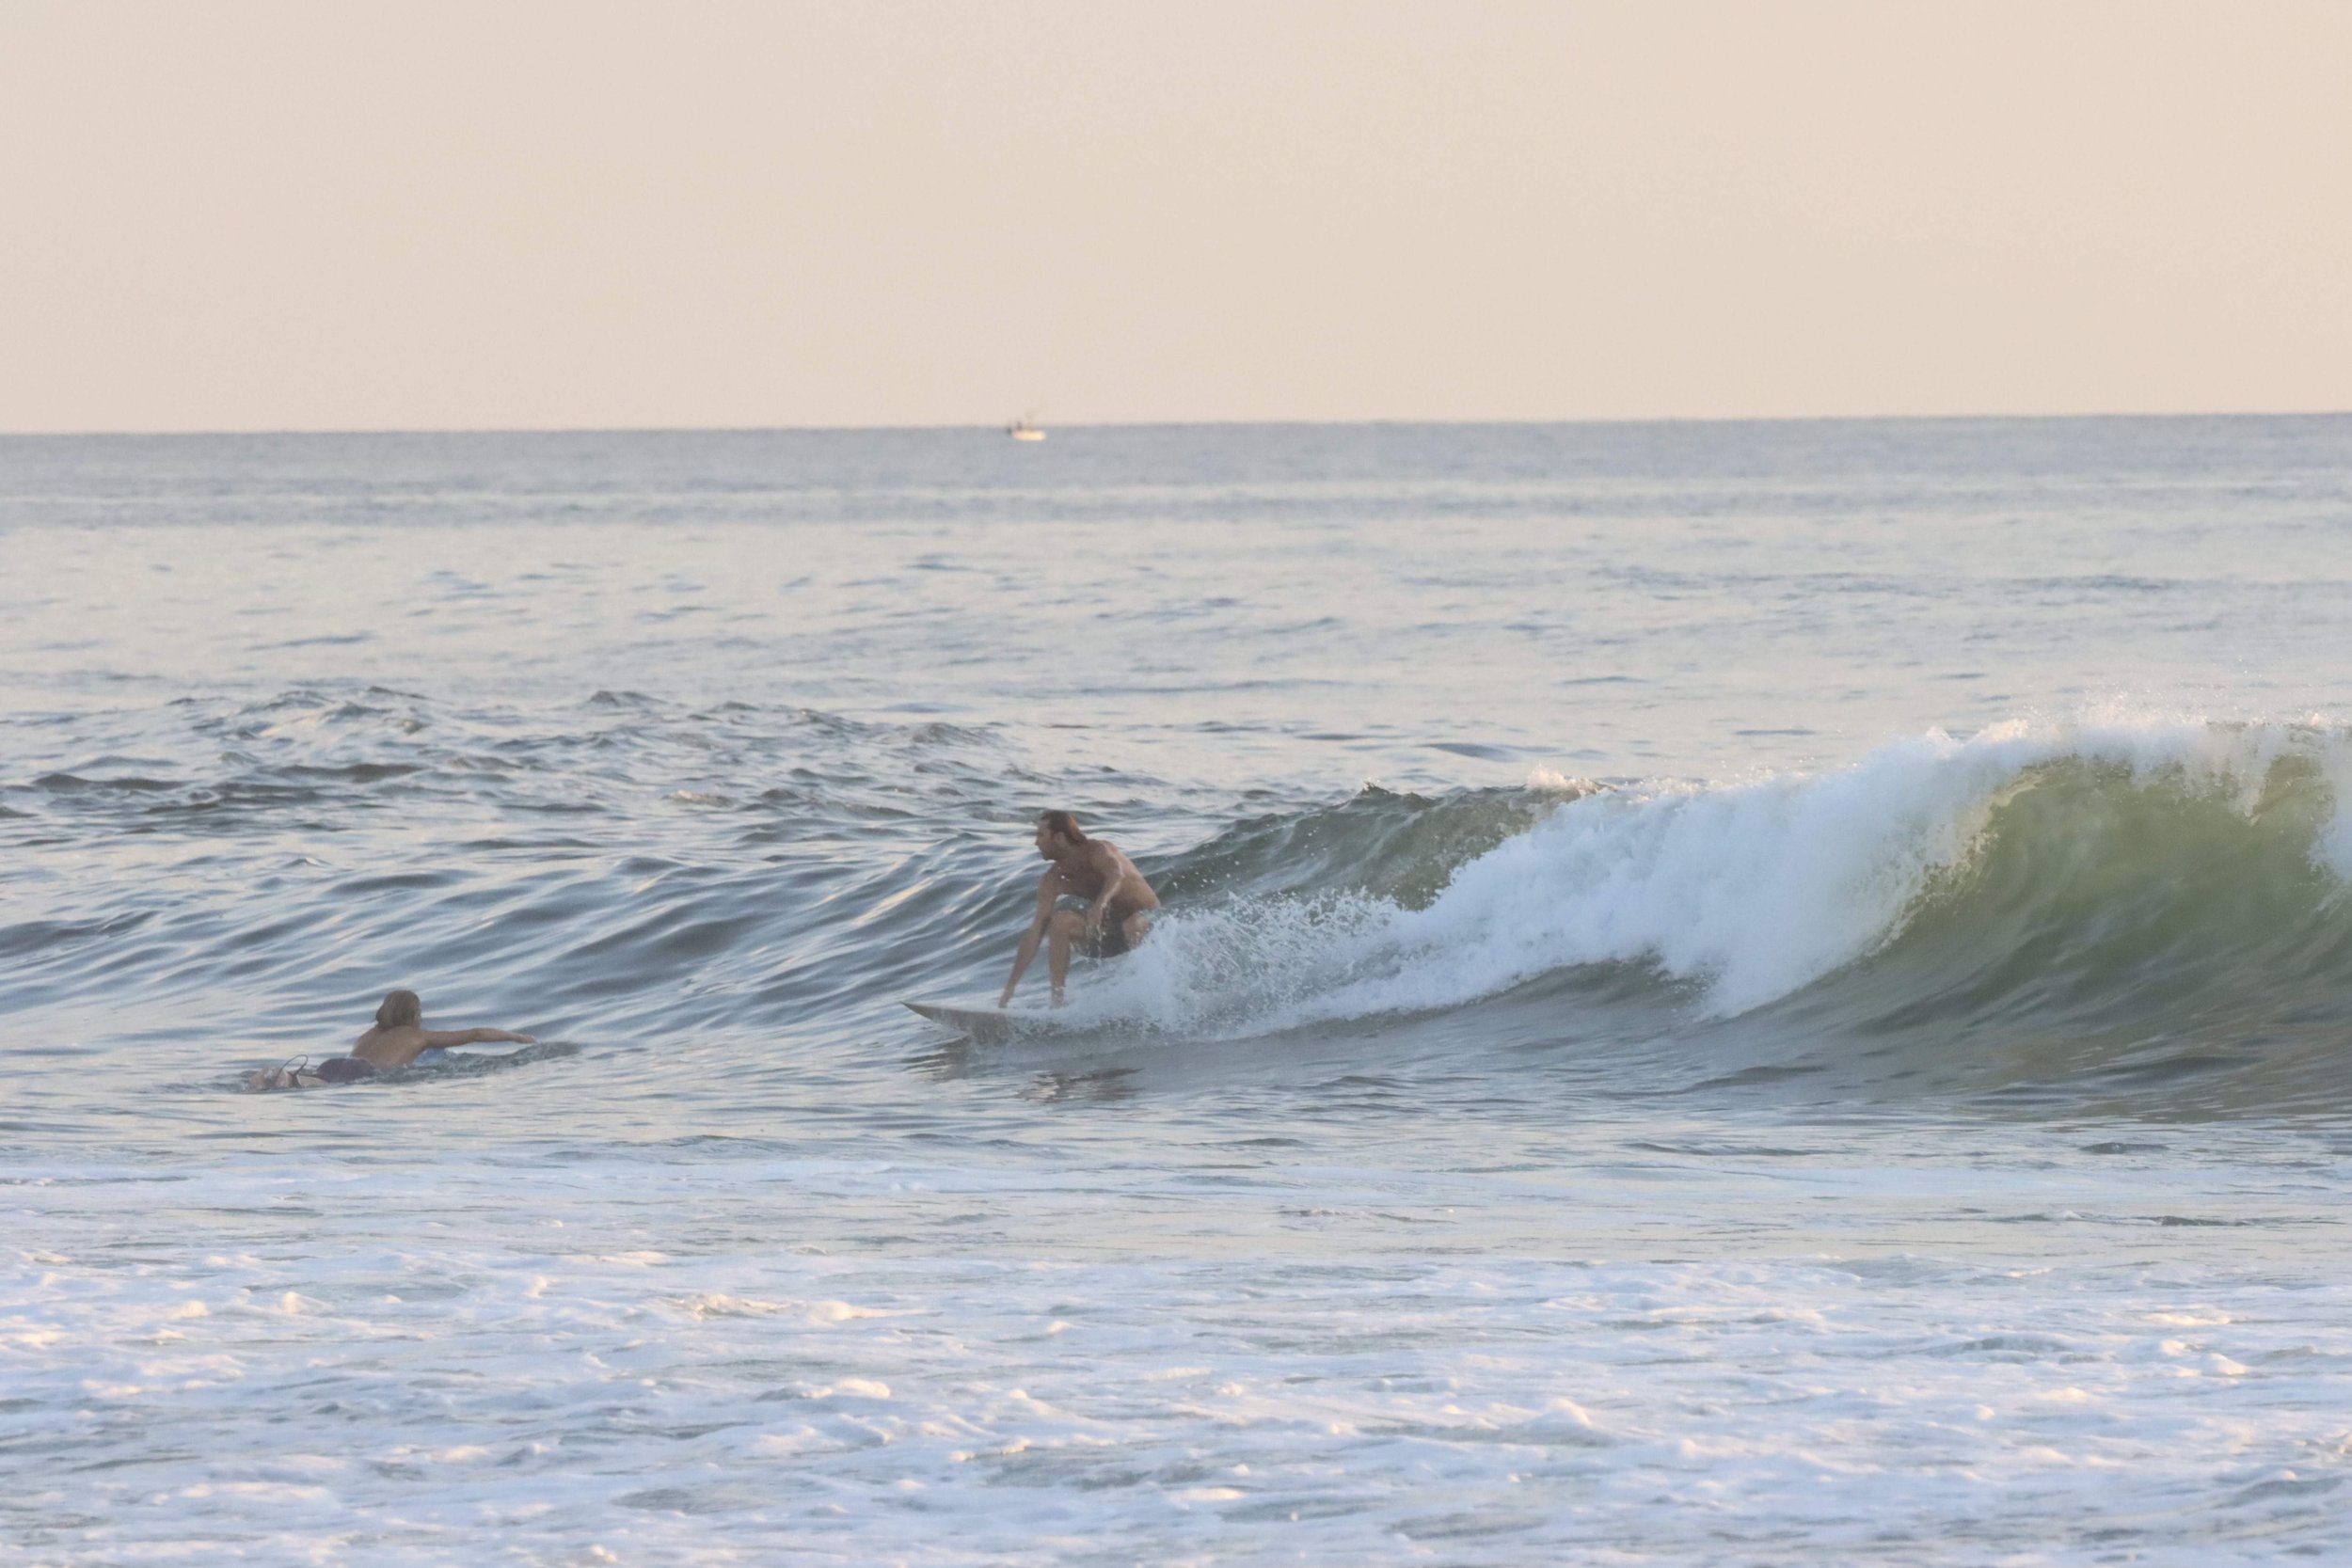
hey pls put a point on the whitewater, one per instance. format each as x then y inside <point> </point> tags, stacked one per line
<point>1729,993</point>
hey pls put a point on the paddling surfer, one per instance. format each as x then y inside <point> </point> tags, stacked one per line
<point>398,1039</point>
<point>1093,899</point>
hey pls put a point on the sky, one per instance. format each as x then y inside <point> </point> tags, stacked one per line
<point>249,215</point>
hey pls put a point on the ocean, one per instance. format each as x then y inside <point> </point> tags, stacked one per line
<point>1729,993</point>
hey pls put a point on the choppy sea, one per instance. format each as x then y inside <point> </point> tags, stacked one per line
<point>1731,994</point>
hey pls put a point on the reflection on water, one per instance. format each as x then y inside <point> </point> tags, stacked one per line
<point>1104,1084</point>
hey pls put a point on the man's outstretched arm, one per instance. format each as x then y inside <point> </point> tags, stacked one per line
<point>1030,942</point>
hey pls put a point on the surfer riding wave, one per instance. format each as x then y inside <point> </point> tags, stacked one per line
<point>1092,900</point>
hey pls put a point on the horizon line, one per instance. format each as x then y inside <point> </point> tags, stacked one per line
<point>998,428</point>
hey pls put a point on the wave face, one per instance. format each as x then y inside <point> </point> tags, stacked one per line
<point>2092,896</point>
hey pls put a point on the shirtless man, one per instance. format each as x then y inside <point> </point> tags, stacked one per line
<point>1093,898</point>
<point>398,1039</point>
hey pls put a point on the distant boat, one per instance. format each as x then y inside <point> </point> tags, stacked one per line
<point>1022,430</point>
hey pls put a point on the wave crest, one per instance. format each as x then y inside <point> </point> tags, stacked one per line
<point>2067,872</point>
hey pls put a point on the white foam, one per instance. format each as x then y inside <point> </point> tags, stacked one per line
<point>1839,1345</point>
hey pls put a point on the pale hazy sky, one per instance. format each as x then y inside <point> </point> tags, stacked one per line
<point>305,214</point>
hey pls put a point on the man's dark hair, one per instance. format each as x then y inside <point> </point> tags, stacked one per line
<point>1063,823</point>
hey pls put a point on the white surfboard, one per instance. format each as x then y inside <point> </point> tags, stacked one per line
<point>992,1025</point>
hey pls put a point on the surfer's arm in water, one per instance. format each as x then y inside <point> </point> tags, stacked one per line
<point>399,1046</point>
<point>476,1036</point>
<point>1048,888</point>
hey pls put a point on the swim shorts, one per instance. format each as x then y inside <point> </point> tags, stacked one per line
<point>345,1070</point>
<point>1113,940</point>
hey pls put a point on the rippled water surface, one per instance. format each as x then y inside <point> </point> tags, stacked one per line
<point>1731,995</point>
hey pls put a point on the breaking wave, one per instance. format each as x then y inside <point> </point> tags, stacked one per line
<point>2118,886</point>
